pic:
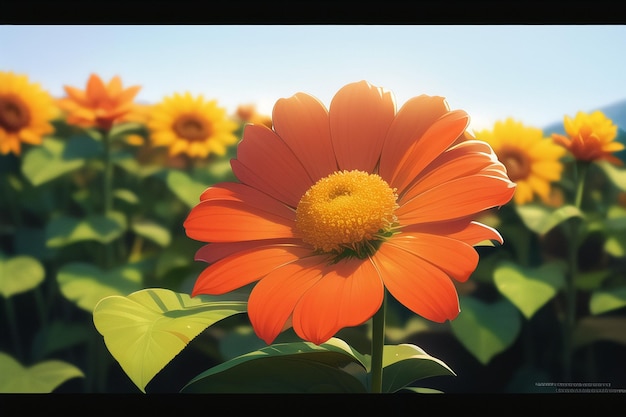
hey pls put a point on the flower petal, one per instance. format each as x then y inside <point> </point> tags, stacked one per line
<point>273,299</point>
<point>247,266</point>
<point>439,136</point>
<point>349,293</point>
<point>418,285</point>
<point>96,90</point>
<point>412,120</point>
<point>266,163</point>
<point>302,122</point>
<point>360,115</point>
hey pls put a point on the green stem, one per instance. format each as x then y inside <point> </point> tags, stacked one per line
<point>10,312</point>
<point>378,343</point>
<point>108,175</point>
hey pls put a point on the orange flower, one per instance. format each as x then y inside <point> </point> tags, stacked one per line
<point>25,112</point>
<point>335,206</point>
<point>590,137</point>
<point>248,113</point>
<point>99,105</point>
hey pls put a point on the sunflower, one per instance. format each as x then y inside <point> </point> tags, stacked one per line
<point>531,160</point>
<point>99,105</point>
<point>25,112</point>
<point>335,207</point>
<point>590,137</point>
<point>191,125</point>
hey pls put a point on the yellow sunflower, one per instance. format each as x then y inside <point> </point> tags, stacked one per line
<point>191,125</point>
<point>532,160</point>
<point>25,112</point>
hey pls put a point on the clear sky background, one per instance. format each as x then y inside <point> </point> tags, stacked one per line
<point>534,73</point>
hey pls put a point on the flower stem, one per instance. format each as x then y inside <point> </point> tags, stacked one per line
<point>108,175</point>
<point>378,343</point>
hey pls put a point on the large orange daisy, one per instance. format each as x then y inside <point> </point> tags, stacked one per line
<point>590,137</point>
<point>99,105</point>
<point>336,206</point>
<point>25,112</point>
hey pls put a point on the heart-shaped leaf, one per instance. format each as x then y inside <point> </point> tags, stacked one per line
<point>185,187</point>
<point>145,330</point>
<point>153,231</point>
<point>41,378</point>
<point>86,284</point>
<point>64,230</point>
<point>19,274</point>
<point>298,367</point>
<point>405,363</point>
<point>486,329</point>
<point>541,219</point>
<point>529,288</point>
<point>607,300</point>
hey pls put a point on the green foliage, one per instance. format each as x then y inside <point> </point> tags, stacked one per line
<point>19,274</point>
<point>43,377</point>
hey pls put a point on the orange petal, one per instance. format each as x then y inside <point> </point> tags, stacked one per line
<point>439,136</point>
<point>96,90</point>
<point>302,122</point>
<point>266,163</point>
<point>418,285</point>
<point>349,294</point>
<point>232,221</point>
<point>360,115</point>
<point>457,198</point>
<point>114,88</point>
<point>129,94</point>
<point>453,256</point>
<point>412,120</point>
<point>233,191</point>
<point>273,299</point>
<point>245,267</point>
<point>213,252</point>
<point>77,95</point>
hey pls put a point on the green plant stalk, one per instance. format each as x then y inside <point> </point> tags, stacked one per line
<point>570,317</point>
<point>107,205</point>
<point>378,344</point>
<point>15,337</point>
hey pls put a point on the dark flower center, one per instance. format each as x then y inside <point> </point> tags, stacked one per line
<point>14,114</point>
<point>192,128</point>
<point>516,162</point>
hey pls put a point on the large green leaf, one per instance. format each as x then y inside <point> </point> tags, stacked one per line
<point>486,329</point>
<point>64,230</point>
<point>56,157</point>
<point>541,219</point>
<point>615,174</point>
<point>592,329</point>
<point>41,378</point>
<point>529,288</point>
<point>607,300</point>
<point>145,330</point>
<point>405,363</point>
<point>153,231</point>
<point>185,187</point>
<point>19,274</point>
<point>86,284</point>
<point>298,367</point>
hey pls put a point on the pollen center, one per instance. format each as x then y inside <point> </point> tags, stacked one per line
<point>346,210</point>
<point>516,163</point>
<point>14,115</point>
<point>191,127</point>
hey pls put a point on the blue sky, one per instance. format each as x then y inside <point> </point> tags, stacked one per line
<point>534,73</point>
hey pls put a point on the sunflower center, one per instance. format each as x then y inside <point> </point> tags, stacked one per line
<point>347,211</point>
<point>190,127</point>
<point>516,162</point>
<point>14,114</point>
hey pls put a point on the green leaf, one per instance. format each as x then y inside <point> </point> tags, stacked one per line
<point>405,363</point>
<point>58,336</point>
<point>486,329</point>
<point>184,187</point>
<point>615,174</point>
<point>126,195</point>
<point>298,367</point>
<point>606,300</point>
<point>153,231</point>
<point>529,288</point>
<point>541,219</point>
<point>127,128</point>
<point>145,330</point>
<point>592,329</point>
<point>56,157</point>
<point>41,378</point>
<point>85,284</point>
<point>19,274</point>
<point>64,230</point>
<point>588,281</point>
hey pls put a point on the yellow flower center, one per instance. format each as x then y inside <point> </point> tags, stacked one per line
<point>347,211</point>
<point>516,162</point>
<point>190,127</point>
<point>14,114</point>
